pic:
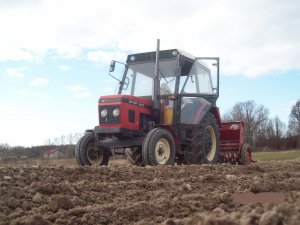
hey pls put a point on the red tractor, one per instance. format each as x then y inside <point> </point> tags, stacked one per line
<point>164,113</point>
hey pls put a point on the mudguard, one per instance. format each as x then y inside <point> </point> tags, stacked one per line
<point>193,110</point>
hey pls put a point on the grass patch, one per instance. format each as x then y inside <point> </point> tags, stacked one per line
<point>278,155</point>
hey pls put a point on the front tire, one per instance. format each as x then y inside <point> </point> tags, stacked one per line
<point>205,146</point>
<point>158,148</point>
<point>87,154</point>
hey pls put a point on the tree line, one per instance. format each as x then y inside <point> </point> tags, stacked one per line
<point>264,133</point>
<point>63,143</point>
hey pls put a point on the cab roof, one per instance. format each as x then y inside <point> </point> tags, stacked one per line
<point>163,55</point>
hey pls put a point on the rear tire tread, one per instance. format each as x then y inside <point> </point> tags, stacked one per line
<point>197,146</point>
<point>134,156</point>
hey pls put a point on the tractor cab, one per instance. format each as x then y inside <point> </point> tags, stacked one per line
<point>182,77</point>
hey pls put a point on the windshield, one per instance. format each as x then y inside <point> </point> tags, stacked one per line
<point>198,80</point>
<point>140,77</point>
<point>196,77</point>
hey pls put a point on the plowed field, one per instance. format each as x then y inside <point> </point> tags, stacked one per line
<point>261,193</point>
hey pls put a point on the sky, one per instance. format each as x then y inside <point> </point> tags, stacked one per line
<point>55,55</point>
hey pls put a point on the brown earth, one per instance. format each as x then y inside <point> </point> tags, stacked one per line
<point>123,194</point>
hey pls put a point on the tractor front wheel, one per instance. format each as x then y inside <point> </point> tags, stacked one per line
<point>158,148</point>
<point>87,154</point>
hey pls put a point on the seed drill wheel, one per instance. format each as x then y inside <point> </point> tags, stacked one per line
<point>87,154</point>
<point>134,156</point>
<point>158,148</point>
<point>245,155</point>
<point>205,147</point>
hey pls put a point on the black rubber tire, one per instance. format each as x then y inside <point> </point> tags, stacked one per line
<point>78,159</point>
<point>83,148</point>
<point>150,153</point>
<point>245,155</point>
<point>205,146</point>
<point>134,156</point>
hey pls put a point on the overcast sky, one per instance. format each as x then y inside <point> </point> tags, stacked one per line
<point>54,55</point>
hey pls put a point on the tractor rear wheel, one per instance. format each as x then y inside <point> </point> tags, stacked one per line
<point>205,146</point>
<point>134,156</point>
<point>158,148</point>
<point>245,155</point>
<point>87,154</point>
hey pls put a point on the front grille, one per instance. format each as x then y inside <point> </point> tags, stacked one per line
<point>109,119</point>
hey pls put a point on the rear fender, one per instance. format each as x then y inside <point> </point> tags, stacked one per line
<point>197,112</point>
<point>88,131</point>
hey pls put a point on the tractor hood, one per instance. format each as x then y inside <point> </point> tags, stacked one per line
<point>137,101</point>
<point>119,113</point>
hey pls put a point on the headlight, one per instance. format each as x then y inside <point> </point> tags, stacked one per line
<point>116,112</point>
<point>132,58</point>
<point>103,113</point>
<point>174,53</point>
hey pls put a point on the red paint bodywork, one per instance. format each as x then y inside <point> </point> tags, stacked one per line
<point>232,134</point>
<point>126,103</point>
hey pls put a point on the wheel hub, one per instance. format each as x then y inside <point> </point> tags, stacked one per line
<point>162,151</point>
<point>94,155</point>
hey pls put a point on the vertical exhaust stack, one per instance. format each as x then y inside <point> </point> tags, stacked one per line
<point>156,85</point>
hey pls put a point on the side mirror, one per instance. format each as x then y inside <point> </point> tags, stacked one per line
<point>112,66</point>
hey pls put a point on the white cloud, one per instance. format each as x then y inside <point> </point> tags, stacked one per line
<point>8,52</point>
<point>16,72</point>
<point>80,91</point>
<point>39,81</point>
<point>65,68</point>
<point>23,92</point>
<point>252,38</point>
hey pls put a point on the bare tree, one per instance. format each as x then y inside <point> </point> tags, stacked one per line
<point>70,139</point>
<point>278,141</point>
<point>252,115</point>
<point>279,127</point>
<point>49,142</point>
<point>56,141</point>
<point>4,147</point>
<point>62,139</point>
<point>294,119</point>
<point>18,151</point>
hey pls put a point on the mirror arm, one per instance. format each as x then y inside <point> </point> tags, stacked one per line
<point>123,79</point>
<point>114,77</point>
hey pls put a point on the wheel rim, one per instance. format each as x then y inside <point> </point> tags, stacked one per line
<point>93,154</point>
<point>162,151</point>
<point>210,143</point>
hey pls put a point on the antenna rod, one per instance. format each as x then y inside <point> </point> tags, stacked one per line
<point>156,91</point>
